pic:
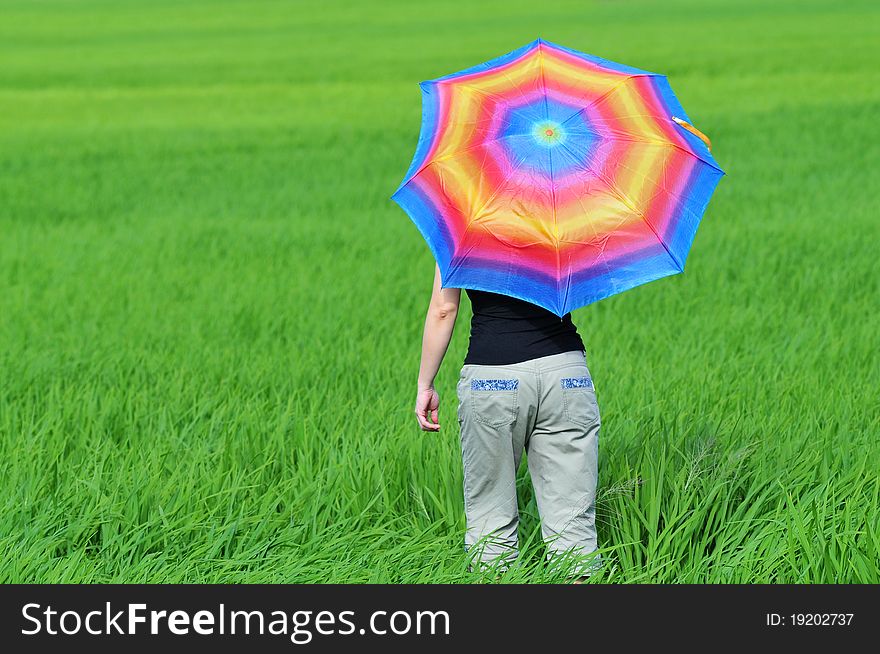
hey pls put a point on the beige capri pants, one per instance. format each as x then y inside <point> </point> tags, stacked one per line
<point>546,407</point>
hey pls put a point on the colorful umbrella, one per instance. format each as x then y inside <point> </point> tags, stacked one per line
<point>556,177</point>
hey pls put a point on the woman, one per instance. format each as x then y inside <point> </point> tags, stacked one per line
<point>524,385</point>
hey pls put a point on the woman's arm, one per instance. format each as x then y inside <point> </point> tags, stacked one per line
<point>439,323</point>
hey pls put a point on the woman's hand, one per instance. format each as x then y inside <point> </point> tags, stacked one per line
<point>427,405</point>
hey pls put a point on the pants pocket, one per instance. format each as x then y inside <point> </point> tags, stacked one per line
<point>494,401</point>
<point>579,400</point>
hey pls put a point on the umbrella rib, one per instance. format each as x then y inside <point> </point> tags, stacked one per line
<point>607,93</point>
<point>467,149</point>
<point>635,139</point>
<point>514,84</point>
<point>635,136</point>
<point>433,162</point>
<point>602,256</point>
<point>452,154</point>
<point>476,145</point>
<point>472,220</point>
<point>480,91</point>
<point>457,261</point>
<point>552,179</point>
<point>543,81</point>
<point>498,190</point>
<point>632,206</point>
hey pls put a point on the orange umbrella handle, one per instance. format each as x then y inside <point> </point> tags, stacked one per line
<point>693,130</point>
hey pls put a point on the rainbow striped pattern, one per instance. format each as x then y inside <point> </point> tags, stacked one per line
<point>556,177</point>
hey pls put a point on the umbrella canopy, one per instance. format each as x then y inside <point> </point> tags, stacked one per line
<point>556,177</point>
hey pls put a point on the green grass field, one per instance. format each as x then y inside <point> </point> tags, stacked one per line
<point>211,311</point>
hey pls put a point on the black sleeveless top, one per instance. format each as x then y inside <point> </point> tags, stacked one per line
<point>509,330</point>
